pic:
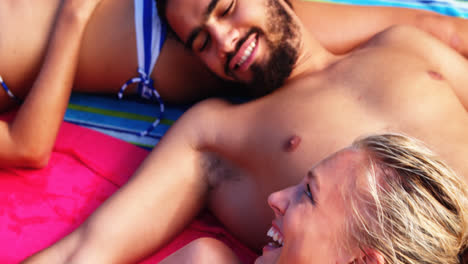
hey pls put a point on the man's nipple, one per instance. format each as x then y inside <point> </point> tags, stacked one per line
<point>292,143</point>
<point>435,75</point>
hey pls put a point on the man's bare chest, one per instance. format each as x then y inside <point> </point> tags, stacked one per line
<point>354,98</point>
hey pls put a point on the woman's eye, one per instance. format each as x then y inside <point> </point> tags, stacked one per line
<point>228,9</point>
<point>309,194</point>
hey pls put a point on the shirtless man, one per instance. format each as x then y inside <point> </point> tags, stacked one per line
<point>229,158</point>
<point>108,58</point>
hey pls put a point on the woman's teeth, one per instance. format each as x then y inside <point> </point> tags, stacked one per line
<point>276,236</point>
<point>247,52</point>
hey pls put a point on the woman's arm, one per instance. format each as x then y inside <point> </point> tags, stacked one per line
<point>161,198</point>
<point>28,140</point>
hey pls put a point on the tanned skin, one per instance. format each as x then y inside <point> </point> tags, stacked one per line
<point>402,80</point>
<point>106,58</point>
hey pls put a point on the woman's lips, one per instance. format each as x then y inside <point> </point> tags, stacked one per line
<point>270,247</point>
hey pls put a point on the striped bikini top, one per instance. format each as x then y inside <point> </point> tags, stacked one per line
<point>150,36</point>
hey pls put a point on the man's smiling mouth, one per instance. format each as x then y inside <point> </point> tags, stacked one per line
<point>244,56</point>
<point>247,53</point>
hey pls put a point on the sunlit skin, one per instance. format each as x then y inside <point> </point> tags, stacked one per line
<point>310,215</point>
<point>309,219</point>
<point>233,38</point>
<point>190,18</point>
<point>231,157</point>
<point>42,73</point>
<point>229,36</point>
<point>292,143</point>
<point>107,57</point>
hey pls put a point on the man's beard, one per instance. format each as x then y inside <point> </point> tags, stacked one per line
<point>284,52</point>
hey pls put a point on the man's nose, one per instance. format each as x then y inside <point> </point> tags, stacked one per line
<point>226,38</point>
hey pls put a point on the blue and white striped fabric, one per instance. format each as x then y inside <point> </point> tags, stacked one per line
<point>123,119</point>
<point>150,36</point>
<point>8,91</point>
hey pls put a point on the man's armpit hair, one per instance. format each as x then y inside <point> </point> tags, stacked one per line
<point>216,170</point>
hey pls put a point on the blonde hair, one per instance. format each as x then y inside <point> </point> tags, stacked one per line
<point>412,207</point>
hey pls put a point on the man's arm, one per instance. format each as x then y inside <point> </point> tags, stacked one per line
<point>161,198</point>
<point>341,28</point>
<point>28,140</point>
<point>203,251</point>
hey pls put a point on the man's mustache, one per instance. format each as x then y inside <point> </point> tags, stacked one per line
<point>231,55</point>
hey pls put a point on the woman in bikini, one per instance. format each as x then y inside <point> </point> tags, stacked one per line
<point>123,47</point>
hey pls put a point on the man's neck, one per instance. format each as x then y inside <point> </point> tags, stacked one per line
<point>312,57</point>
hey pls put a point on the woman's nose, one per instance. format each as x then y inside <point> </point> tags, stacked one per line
<point>279,201</point>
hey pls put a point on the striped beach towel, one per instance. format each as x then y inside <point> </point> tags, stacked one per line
<point>123,119</point>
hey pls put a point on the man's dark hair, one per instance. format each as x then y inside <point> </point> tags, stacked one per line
<point>161,5</point>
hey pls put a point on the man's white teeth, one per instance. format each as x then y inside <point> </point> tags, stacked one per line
<point>275,235</point>
<point>247,52</point>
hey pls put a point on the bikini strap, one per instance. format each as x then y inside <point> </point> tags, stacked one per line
<point>8,91</point>
<point>150,36</point>
<point>144,81</point>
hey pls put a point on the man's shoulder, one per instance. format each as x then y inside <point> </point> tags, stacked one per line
<point>404,37</point>
<point>207,109</point>
<point>203,121</point>
<point>399,32</point>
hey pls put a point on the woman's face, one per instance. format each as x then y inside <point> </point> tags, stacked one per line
<point>310,216</point>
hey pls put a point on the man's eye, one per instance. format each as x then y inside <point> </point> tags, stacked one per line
<point>309,194</point>
<point>203,46</point>
<point>228,9</point>
<point>201,42</point>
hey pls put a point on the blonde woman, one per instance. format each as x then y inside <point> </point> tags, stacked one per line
<point>385,199</point>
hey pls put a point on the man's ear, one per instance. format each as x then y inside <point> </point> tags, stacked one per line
<point>369,256</point>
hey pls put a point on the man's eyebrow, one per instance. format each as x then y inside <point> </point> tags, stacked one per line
<point>211,6</point>
<point>312,177</point>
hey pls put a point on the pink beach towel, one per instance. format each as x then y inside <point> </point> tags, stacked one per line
<point>38,207</point>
